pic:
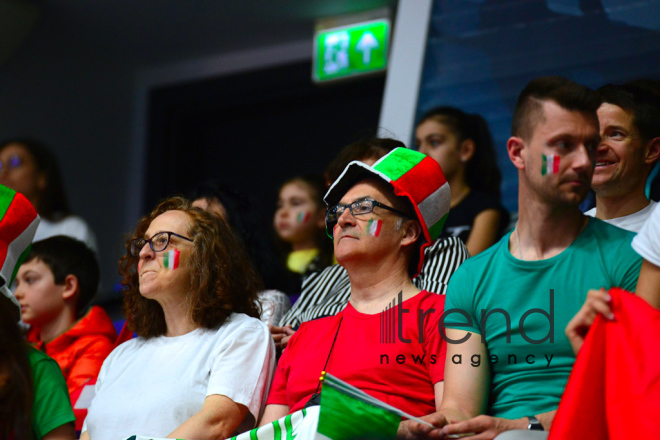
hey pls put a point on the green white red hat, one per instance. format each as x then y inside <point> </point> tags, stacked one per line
<point>412,175</point>
<point>18,224</point>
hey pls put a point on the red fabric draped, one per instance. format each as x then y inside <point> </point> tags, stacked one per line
<point>614,389</point>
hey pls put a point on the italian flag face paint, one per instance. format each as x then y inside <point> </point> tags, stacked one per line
<point>171,259</point>
<point>550,164</point>
<point>303,217</point>
<point>373,227</point>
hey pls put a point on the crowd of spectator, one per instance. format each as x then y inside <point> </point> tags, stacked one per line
<point>393,254</point>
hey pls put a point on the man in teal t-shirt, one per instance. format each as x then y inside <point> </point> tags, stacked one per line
<point>529,373</point>
<point>508,359</point>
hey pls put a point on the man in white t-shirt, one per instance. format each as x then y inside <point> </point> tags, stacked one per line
<point>629,120</point>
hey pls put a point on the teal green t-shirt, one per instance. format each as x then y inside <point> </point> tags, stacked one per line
<point>52,406</point>
<point>528,377</point>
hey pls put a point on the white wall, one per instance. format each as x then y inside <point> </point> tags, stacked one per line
<point>404,72</point>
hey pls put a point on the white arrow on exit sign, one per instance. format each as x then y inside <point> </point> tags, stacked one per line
<point>365,45</point>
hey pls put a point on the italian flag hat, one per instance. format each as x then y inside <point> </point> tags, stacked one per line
<point>411,174</point>
<point>18,224</point>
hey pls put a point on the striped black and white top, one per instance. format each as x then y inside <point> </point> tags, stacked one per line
<point>326,293</point>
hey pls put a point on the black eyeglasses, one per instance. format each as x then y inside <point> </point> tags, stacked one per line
<point>157,243</point>
<point>359,207</point>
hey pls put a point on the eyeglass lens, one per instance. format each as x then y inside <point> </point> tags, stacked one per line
<point>157,243</point>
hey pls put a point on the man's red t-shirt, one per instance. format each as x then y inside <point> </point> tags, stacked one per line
<point>369,355</point>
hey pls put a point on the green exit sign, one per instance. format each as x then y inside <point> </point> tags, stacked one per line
<point>351,50</point>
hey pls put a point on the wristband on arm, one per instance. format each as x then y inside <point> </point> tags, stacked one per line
<point>534,424</point>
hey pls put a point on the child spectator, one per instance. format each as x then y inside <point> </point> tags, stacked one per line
<point>299,223</point>
<point>55,284</point>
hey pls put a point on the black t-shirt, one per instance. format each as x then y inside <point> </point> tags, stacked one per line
<point>461,217</point>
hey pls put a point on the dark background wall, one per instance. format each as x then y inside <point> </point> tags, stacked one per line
<point>254,130</point>
<point>76,82</point>
<point>71,90</point>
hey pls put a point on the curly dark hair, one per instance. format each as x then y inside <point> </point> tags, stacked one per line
<point>242,217</point>
<point>222,282</point>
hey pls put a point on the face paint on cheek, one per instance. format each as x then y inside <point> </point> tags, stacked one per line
<point>139,265</point>
<point>171,259</point>
<point>303,217</point>
<point>550,164</point>
<point>373,227</point>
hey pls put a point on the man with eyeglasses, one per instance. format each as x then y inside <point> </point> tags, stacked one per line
<point>326,293</point>
<point>386,341</point>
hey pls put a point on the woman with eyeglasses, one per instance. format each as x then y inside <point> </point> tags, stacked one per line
<point>202,363</point>
<point>30,168</point>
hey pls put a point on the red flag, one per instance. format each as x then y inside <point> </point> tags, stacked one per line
<point>614,389</point>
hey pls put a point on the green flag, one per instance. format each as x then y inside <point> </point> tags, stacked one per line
<point>347,413</point>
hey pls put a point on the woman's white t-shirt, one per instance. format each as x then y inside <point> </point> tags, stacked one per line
<point>151,386</point>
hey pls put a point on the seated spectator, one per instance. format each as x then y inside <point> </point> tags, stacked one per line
<point>30,168</point>
<point>236,209</point>
<point>299,224</point>
<point>517,297</point>
<point>202,363</point>
<point>629,120</point>
<point>379,238</point>
<point>54,287</point>
<point>326,293</point>
<point>462,145</point>
<point>34,402</point>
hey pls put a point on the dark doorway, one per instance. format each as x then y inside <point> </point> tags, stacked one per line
<point>254,130</point>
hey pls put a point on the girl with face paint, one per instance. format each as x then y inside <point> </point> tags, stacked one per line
<point>299,223</point>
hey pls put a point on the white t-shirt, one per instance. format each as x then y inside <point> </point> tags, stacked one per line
<point>71,226</point>
<point>151,386</point>
<point>647,242</point>
<point>632,222</point>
